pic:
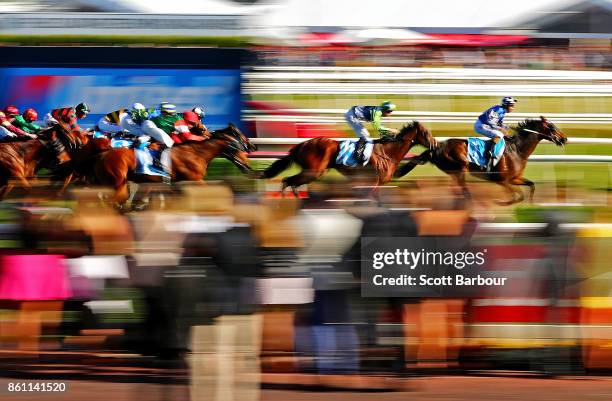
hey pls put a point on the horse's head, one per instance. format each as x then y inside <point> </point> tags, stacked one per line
<point>544,129</point>
<point>417,133</point>
<point>237,146</point>
<point>552,133</point>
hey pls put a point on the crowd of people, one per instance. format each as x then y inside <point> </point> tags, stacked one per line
<point>280,278</point>
<point>532,57</point>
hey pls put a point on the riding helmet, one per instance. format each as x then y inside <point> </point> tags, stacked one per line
<point>199,111</point>
<point>139,112</point>
<point>168,108</point>
<point>30,115</point>
<point>83,108</point>
<point>508,101</point>
<point>11,111</point>
<point>387,106</point>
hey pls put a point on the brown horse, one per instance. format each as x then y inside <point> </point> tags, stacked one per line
<point>19,161</point>
<point>451,156</point>
<point>317,155</point>
<point>190,161</point>
<point>83,160</point>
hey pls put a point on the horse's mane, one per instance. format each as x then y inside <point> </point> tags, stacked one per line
<point>403,131</point>
<point>528,123</point>
<point>230,130</point>
<point>410,125</point>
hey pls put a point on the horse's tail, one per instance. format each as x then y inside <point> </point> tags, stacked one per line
<point>281,164</point>
<point>412,163</point>
<point>277,167</point>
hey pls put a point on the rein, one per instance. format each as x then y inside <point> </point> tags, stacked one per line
<point>539,133</point>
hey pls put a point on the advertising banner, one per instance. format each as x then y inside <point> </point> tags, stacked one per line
<point>111,78</point>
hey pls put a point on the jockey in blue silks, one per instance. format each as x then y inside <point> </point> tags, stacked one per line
<point>491,124</point>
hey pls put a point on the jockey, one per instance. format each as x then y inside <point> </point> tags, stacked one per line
<point>199,111</point>
<point>156,111</point>
<point>491,124</point>
<point>355,117</point>
<point>26,120</point>
<point>68,116</point>
<point>111,122</point>
<point>7,128</point>
<point>132,123</point>
<point>165,121</point>
<point>138,124</point>
<point>188,129</point>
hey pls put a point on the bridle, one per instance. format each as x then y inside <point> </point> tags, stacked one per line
<point>549,136</point>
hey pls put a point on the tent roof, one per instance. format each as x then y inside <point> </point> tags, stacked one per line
<point>405,14</point>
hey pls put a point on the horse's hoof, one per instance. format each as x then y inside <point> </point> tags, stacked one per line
<point>504,203</point>
<point>139,207</point>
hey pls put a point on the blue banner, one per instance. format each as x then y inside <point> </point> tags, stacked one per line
<point>108,89</point>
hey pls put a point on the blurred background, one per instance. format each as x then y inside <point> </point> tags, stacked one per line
<point>229,292</point>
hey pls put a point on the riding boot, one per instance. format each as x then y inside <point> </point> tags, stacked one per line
<point>157,163</point>
<point>157,159</point>
<point>490,154</point>
<point>360,150</point>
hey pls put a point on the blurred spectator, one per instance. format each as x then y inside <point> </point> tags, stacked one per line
<point>524,57</point>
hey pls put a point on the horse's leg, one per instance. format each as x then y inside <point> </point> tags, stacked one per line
<point>122,193</point>
<point>513,192</point>
<point>411,164</point>
<point>308,173</point>
<point>375,192</point>
<point>67,182</point>
<point>524,181</point>
<point>459,178</point>
<point>283,188</point>
<point>5,189</point>
<point>23,183</point>
<point>303,178</point>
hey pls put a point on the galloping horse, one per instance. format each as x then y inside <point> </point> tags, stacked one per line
<point>21,160</point>
<point>451,156</point>
<point>190,160</point>
<point>82,162</point>
<point>317,155</point>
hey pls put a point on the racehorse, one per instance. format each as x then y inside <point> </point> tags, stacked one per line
<point>189,161</point>
<point>21,160</point>
<point>451,156</point>
<point>317,155</point>
<point>82,162</point>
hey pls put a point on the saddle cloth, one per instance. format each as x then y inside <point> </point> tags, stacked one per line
<point>477,151</point>
<point>346,154</point>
